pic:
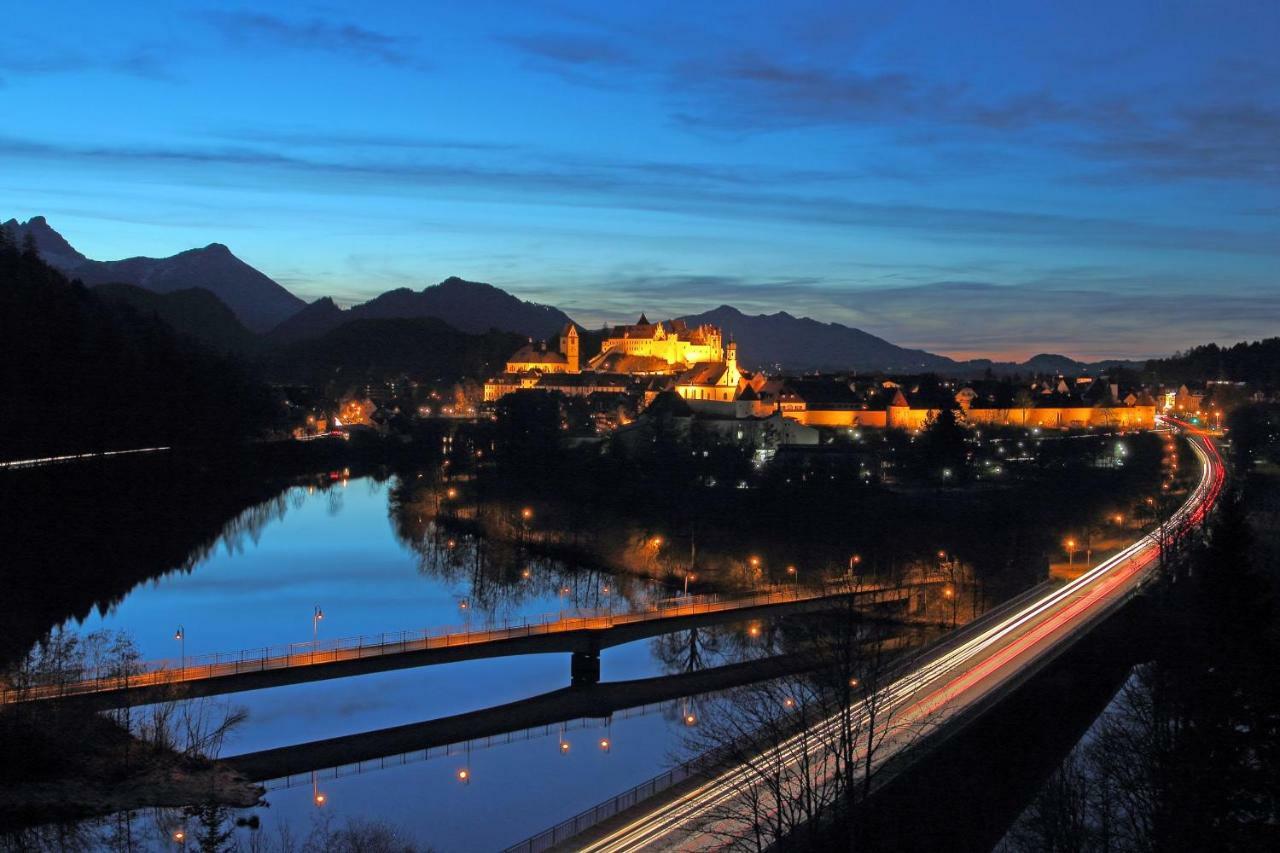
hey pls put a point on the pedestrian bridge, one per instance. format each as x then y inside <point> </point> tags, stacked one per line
<point>582,636</point>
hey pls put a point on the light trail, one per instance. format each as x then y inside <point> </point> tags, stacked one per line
<point>971,671</point>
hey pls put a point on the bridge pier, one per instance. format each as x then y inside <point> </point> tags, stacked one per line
<point>584,668</point>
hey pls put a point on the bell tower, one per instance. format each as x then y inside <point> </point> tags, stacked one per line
<point>569,347</point>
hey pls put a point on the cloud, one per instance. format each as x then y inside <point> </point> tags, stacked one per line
<point>146,62</point>
<point>663,188</point>
<point>1218,141</point>
<point>1091,317</point>
<point>345,39</point>
<point>566,49</point>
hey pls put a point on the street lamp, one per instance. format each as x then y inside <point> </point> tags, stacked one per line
<point>316,616</point>
<point>854,561</point>
<point>688,576</point>
<point>181,637</point>
<point>1071,551</point>
<point>794,572</point>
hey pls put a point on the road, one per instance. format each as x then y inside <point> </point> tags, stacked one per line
<point>962,677</point>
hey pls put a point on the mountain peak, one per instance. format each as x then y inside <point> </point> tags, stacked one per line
<point>53,247</point>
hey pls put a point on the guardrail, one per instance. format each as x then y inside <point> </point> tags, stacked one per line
<point>266,658</point>
<point>38,462</point>
<point>583,821</point>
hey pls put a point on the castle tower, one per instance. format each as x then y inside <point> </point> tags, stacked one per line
<point>569,347</point>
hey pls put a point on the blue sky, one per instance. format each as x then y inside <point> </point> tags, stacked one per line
<point>1098,179</point>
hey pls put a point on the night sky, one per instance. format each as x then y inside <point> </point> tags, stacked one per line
<point>972,178</point>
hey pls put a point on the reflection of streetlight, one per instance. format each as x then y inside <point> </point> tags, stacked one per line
<point>753,630</point>
<point>690,719</point>
<point>789,702</point>
<point>464,776</point>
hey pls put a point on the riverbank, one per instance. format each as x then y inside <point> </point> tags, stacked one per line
<point>104,770</point>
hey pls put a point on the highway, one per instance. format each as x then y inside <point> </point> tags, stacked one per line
<point>958,679</point>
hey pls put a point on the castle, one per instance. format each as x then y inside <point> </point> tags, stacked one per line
<point>644,359</point>
<point>646,348</point>
<point>694,360</point>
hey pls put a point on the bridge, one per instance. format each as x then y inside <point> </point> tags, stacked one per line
<point>582,636</point>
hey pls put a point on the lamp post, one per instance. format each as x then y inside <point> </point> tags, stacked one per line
<point>687,577</point>
<point>795,573</point>
<point>181,637</point>
<point>316,616</point>
<point>1071,552</point>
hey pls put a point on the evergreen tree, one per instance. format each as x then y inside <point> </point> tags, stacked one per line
<point>30,250</point>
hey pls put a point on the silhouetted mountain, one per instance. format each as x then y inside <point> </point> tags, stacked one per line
<point>196,313</point>
<point>314,320</point>
<point>362,351</point>
<point>469,306</point>
<point>55,251</point>
<point>259,302</point>
<point>92,374</point>
<point>798,343</point>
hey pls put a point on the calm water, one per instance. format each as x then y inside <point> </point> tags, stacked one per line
<point>338,549</point>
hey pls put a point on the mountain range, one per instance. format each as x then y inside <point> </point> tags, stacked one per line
<point>263,314</point>
<point>468,306</point>
<point>259,302</point>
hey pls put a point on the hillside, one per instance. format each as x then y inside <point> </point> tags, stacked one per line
<point>195,313</point>
<point>83,374</point>
<point>1257,362</point>
<point>361,351</point>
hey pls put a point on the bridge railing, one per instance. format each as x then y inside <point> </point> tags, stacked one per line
<point>265,658</point>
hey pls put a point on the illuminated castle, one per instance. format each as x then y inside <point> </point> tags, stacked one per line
<point>693,361</point>
<point>653,348</point>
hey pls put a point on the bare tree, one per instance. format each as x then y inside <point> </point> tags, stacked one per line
<point>798,756</point>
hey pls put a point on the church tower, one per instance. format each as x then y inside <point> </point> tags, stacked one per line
<point>569,347</point>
